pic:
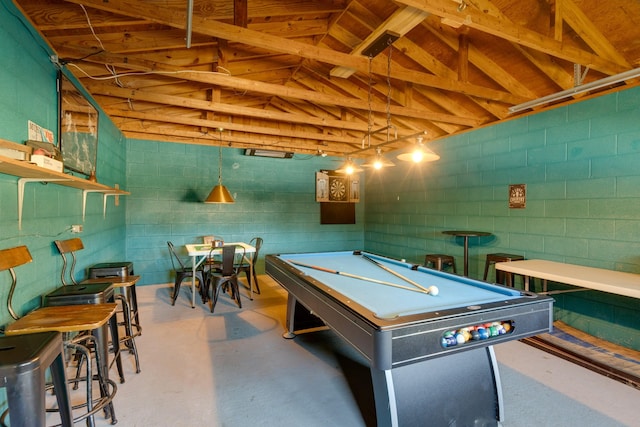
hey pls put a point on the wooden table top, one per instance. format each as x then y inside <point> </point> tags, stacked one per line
<point>64,318</point>
<point>615,282</point>
<point>117,281</point>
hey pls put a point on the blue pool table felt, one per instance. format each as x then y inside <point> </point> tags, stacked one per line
<point>390,302</point>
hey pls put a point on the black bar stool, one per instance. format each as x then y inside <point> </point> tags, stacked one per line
<point>440,262</point>
<point>501,277</point>
<point>95,293</point>
<point>119,272</point>
<point>23,362</point>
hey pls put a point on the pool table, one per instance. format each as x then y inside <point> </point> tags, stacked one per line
<point>430,354</point>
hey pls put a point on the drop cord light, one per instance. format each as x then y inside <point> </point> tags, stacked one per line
<point>419,154</point>
<point>349,167</point>
<point>220,194</point>
<point>378,161</point>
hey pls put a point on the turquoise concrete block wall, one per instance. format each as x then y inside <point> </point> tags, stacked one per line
<point>275,199</point>
<point>580,164</point>
<point>28,87</point>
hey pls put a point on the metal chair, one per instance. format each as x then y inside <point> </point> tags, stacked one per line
<point>246,267</point>
<point>183,272</point>
<point>227,279</point>
<point>99,291</point>
<point>23,362</point>
<point>69,319</point>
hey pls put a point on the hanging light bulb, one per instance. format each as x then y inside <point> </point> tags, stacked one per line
<point>349,167</point>
<point>419,154</point>
<point>378,161</point>
<point>220,194</point>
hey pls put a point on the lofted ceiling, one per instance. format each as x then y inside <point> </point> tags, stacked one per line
<point>301,76</point>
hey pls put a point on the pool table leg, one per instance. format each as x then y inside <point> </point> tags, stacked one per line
<point>299,317</point>
<point>461,388</point>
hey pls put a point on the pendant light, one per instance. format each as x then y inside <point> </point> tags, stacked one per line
<point>220,194</point>
<point>378,161</point>
<point>419,154</point>
<point>349,167</point>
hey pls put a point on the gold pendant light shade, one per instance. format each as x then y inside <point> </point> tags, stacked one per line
<point>219,194</point>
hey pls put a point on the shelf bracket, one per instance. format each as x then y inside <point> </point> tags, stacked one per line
<point>21,183</point>
<point>84,200</point>
<point>104,202</point>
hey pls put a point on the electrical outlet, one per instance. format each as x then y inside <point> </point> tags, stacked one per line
<point>76,228</point>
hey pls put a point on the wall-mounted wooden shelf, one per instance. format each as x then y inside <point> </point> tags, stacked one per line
<point>29,172</point>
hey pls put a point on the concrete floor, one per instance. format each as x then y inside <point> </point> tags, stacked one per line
<point>234,369</point>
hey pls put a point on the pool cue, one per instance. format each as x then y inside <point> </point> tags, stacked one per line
<point>406,279</point>
<point>354,276</point>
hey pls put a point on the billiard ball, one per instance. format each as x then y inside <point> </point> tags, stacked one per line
<point>484,334</point>
<point>433,290</point>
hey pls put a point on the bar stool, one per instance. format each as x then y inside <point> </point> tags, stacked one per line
<point>440,262</point>
<point>121,275</point>
<point>23,362</point>
<point>76,319</point>
<point>95,293</point>
<point>124,285</point>
<point>114,274</point>
<point>501,276</point>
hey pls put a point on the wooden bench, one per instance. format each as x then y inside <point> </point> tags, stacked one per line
<point>614,282</point>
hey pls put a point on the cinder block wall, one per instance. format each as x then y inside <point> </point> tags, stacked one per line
<point>275,199</point>
<point>581,165</point>
<point>28,88</point>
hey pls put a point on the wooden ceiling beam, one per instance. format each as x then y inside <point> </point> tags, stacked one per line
<point>119,115</point>
<point>399,23</point>
<point>578,21</point>
<point>154,97</point>
<point>235,139</point>
<point>506,30</point>
<point>240,13</point>
<point>176,18</point>
<point>267,88</point>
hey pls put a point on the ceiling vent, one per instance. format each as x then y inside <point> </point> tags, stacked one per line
<point>268,153</point>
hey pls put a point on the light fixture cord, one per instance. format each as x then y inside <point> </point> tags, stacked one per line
<point>220,160</point>
<point>389,89</point>
<point>369,119</point>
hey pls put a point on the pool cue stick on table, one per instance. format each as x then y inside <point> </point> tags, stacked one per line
<point>354,276</point>
<point>431,290</point>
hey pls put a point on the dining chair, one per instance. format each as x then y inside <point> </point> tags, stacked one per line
<point>245,267</point>
<point>182,272</point>
<point>72,321</point>
<point>227,277</point>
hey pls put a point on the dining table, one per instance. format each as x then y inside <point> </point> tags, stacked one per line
<point>199,252</point>
<point>466,234</point>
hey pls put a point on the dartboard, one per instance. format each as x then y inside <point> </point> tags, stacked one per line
<point>338,189</point>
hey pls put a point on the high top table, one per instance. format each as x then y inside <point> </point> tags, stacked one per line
<point>199,252</point>
<point>466,235</point>
<point>599,279</point>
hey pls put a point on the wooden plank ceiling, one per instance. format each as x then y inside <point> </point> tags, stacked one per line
<point>296,75</point>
